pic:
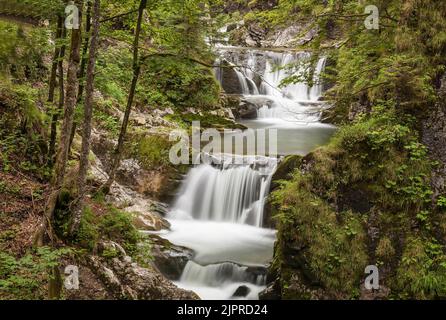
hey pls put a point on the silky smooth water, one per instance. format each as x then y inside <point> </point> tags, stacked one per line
<point>219,211</point>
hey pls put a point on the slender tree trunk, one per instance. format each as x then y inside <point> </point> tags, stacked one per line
<point>62,150</point>
<point>55,116</point>
<point>82,68</point>
<point>84,51</point>
<point>53,74</point>
<point>88,111</point>
<point>136,71</point>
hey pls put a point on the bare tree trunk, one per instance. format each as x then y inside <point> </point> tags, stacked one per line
<point>136,71</point>
<point>82,68</point>
<point>53,74</point>
<point>88,111</point>
<point>84,51</point>
<point>55,116</point>
<point>62,151</point>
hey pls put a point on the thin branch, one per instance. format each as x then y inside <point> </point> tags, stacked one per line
<point>119,16</point>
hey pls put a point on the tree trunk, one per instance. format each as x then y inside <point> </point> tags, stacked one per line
<point>136,71</point>
<point>82,68</point>
<point>84,52</point>
<point>55,116</point>
<point>53,74</point>
<point>62,150</point>
<point>88,111</point>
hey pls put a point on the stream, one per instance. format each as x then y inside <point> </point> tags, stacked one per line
<point>219,210</point>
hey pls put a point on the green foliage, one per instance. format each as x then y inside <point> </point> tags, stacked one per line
<point>179,84</point>
<point>34,9</point>
<point>422,272</point>
<point>22,136</point>
<point>114,74</point>
<point>88,233</point>
<point>21,51</point>
<point>380,155</point>
<point>152,151</point>
<point>114,225</point>
<point>26,277</point>
<point>335,253</point>
<point>99,222</point>
<point>117,225</point>
<point>441,202</point>
<point>105,120</point>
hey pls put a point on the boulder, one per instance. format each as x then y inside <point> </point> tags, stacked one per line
<point>247,110</point>
<point>242,291</point>
<point>149,222</point>
<point>169,259</point>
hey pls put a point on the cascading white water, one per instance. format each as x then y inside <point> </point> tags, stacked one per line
<point>264,74</point>
<point>219,214</point>
<point>219,211</point>
<point>231,193</point>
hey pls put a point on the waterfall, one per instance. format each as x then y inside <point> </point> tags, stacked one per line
<point>234,193</point>
<point>219,214</point>
<point>243,81</point>
<point>263,74</point>
<point>219,210</point>
<point>218,274</point>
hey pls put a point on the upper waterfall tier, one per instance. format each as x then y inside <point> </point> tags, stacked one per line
<point>261,72</point>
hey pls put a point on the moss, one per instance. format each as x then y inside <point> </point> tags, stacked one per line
<point>422,271</point>
<point>384,250</point>
<point>88,234</point>
<point>152,151</point>
<point>331,253</point>
<point>207,120</point>
<point>323,231</point>
<point>99,222</point>
<point>117,226</point>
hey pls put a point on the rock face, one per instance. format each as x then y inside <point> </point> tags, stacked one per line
<point>255,35</point>
<point>127,280</point>
<point>434,137</point>
<point>155,184</point>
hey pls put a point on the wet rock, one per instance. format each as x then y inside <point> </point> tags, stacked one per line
<point>169,258</point>
<point>247,110</point>
<point>242,291</point>
<point>272,292</point>
<point>229,79</point>
<point>248,107</point>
